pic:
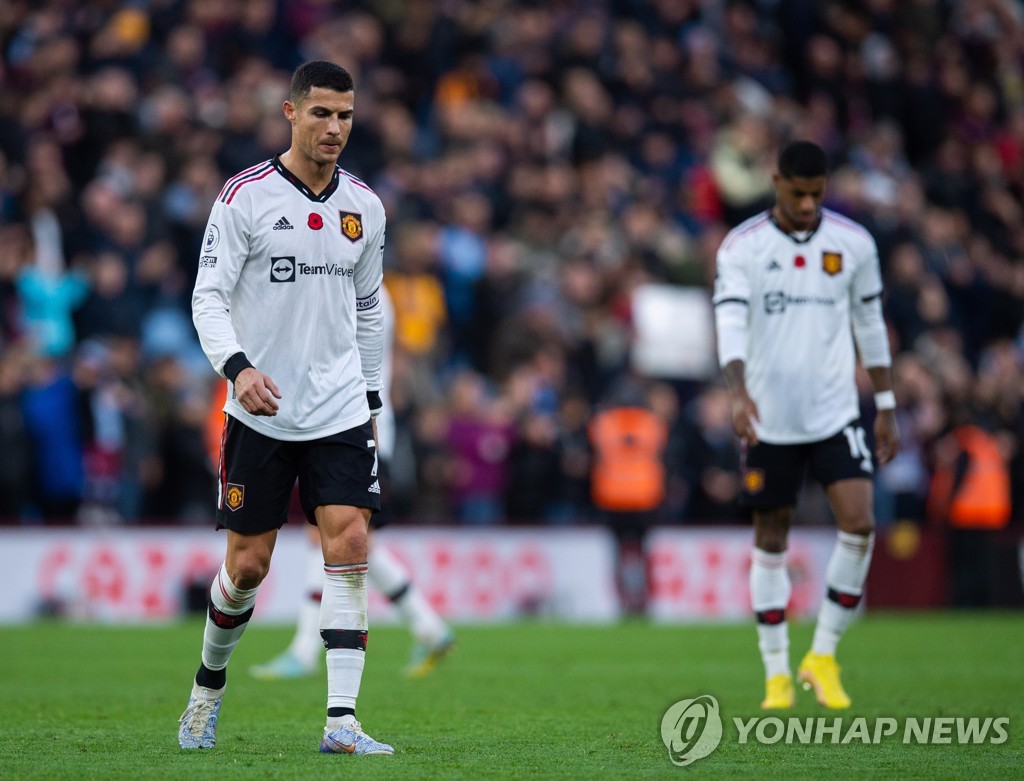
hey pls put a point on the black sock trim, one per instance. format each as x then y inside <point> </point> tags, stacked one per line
<point>400,592</point>
<point>226,620</point>
<point>842,599</point>
<point>333,713</point>
<point>772,616</point>
<point>344,638</point>
<point>211,679</point>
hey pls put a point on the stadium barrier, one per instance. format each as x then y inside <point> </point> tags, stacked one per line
<point>147,574</point>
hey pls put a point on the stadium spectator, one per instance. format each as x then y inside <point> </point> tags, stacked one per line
<point>16,455</point>
<point>970,498</point>
<point>480,435</point>
<point>627,480</point>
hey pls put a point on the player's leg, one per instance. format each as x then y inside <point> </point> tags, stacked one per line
<point>338,487</point>
<point>771,478</point>
<point>770,589</point>
<point>433,638</point>
<point>843,465</point>
<point>232,596</point>
<point>344,627</point>
<point>256,478</point>
<point>302,656</point>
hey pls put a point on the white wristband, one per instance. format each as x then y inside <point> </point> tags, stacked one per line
<point>885,400</point>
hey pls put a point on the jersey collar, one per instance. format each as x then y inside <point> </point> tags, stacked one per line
<point>801,237</point>
<point>298,185</point>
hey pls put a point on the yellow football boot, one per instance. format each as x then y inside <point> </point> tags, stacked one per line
<point>426,657</point>
<point>779,692</point>
<point>822,673</point>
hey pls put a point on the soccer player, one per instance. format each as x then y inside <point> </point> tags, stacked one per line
<point>433,639</point>
<point>795,287</point>
<point>287,306</point>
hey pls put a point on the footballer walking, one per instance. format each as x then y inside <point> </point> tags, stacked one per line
<point>287,307</point>
<point>795,288</point>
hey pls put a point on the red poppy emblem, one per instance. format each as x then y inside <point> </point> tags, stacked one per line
<point>315,221</point>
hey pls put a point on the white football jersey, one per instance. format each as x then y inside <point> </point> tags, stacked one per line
<point>799,294</point>
<point>386,432</point>
<point>293,280</point>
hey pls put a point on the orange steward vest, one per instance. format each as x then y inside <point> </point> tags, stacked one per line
<point>629,469</point>
<point>982,500</point>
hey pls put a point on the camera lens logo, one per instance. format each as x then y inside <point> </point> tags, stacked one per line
<point>282,269</point>
<point>691,729</point>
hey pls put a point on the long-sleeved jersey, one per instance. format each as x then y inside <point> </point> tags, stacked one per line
<point>791,306</point>
<point>293,280</point>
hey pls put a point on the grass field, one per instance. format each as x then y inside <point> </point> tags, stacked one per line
<point>522,701</point>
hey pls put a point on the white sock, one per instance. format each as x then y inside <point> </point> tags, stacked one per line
<point>307,646</point>
<point>343,627</point>
<point>232,608</point>
<point>769,595</point>
<point>390,578</point>
<point>844,578</point>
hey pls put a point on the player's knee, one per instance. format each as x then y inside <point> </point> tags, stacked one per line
<point>861,524</point>
<point>350,544</point>
<point>771,529</point>
<point>248,571</point>
<point>770,543</point>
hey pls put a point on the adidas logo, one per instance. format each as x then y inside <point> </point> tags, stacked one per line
<point>774,266</point>
<point>283,225</point>
<point>375,488</point>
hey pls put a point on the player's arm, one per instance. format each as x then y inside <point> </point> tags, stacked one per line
<point>744,409</point>
<point>224,252</point>
<point>369,276</point>
<point>872,339</point>
<point>732,315</point>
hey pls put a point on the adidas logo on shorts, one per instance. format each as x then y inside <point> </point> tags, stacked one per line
<point>375,488</point>
<point>283,225</point>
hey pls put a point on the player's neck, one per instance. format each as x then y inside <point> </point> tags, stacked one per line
<point>316,176</point>
<point>788,227</point>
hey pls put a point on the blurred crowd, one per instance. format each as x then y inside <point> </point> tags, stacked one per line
<point>539,160</point>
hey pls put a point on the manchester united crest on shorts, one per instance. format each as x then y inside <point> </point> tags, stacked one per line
<point>234,497</point>
<point>351,225</point>
<point>753,481</point>
<point>831,263</point>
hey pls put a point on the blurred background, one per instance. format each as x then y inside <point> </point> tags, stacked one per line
<point>558,175</point>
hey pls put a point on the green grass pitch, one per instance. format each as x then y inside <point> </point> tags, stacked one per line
<point>530,700</point>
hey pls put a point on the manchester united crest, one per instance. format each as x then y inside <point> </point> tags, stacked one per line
<point>351,225</point>
<point>753,480</point>
<point>234,496</point>
<point>831,263</point>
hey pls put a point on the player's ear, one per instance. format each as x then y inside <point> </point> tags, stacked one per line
<point>289,110</point>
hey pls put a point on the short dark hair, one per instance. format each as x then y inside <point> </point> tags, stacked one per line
<point>802,158</point>
<point>319,73</point>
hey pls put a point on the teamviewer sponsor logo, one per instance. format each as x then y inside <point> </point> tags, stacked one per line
<point>775,302</point>
<point>691,729</point>
<point>282,269</point>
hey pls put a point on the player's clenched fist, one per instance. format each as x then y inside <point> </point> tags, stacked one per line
<point>256,392</point>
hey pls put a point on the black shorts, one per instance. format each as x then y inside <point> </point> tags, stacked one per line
<point>773,474</point>
<point>257,475</point>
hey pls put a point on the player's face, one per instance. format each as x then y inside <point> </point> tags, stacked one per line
<point>321,124</point>
<point>798,201</point>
